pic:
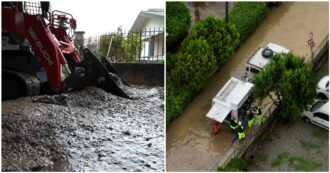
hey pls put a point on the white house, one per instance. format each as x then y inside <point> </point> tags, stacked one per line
<point>150,25</point>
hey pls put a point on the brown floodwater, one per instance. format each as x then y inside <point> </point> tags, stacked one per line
<point>190,144</point>
<point>200,10</point>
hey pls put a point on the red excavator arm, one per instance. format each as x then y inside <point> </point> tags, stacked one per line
<point>35,30</point>
<point>52,43</point>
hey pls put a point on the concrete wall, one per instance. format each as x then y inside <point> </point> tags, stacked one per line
<point>141,73</point>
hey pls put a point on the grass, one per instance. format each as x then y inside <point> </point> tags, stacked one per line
<point>302,164</point>
<point>262,157</point>
<point>321,134</point>
<point>280,159</point>
<point>309,145</point>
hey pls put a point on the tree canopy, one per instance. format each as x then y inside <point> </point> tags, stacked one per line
<point>288,81</point>
<point>123,48</point>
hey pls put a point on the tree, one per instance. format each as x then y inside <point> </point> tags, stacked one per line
<point>194,65</point>
<point>221,36</point>
<point>122,49</point>
<point>288,81</point>
<point>132,45</point>
<point>178,22</point>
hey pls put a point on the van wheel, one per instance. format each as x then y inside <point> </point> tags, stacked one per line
<point>306,120</point>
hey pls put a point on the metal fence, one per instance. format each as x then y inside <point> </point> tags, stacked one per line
<point>134,46</point>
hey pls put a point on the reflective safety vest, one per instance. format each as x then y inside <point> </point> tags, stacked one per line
<point>251,122</point>
<point>233,124</point>
<point>240,132</point>
<point>260,116</point>
<point>260,119</point>
<point>241,135</point>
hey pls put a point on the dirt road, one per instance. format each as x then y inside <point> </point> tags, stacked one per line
<point>89,130</point>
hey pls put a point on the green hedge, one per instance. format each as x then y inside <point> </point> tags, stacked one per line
<point>195,63</point>
<point>205,50</point>
<point>176,99</point>
<point>177,23</point>
<point>189,69</point>
<point>223,37</point>
<point>247,16</point>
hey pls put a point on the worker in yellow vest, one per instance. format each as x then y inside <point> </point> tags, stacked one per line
<point>250,118</point>
<point>240,132</point>
<point>233,123</point>
<point>260,116</point>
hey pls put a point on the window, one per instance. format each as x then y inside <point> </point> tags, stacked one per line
<point>254,71</point>
<point>317,105</point>
<point>322,116</point>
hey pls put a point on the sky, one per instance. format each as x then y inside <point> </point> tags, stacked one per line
<point>100,16</point>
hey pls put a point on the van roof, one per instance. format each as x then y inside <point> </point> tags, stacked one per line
<point>230,97</point>
<point>259,61</point>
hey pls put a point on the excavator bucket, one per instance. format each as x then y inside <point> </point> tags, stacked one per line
<point>111,69</point>
<point>91,72</point>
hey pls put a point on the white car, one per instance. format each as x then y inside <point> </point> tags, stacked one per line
<point>318,113</point>
<point>322,88</point>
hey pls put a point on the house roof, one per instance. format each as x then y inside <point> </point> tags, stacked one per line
<point>141,19</point>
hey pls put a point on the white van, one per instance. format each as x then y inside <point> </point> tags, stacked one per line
<point>260,58</point>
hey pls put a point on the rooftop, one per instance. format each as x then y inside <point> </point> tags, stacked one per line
<point>259,61</point>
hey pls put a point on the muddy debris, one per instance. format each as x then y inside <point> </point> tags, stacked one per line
<point>89,130</point>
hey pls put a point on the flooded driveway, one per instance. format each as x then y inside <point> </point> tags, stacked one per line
<point>89,130</point>
<point>190,145</point>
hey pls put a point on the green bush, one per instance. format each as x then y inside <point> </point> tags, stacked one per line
<point>176,99</point>
<point>194,64</point>
<point>235,164</point>
<point>177,23</point>
<point>222,37</point>
<point>290,82</point>
<point>247,16</point>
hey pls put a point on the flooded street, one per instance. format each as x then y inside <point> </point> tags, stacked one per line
<point>190,145</point>
<point>200,10</point>
<point>89,130</point>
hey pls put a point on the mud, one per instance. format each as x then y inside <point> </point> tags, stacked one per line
<point>200,10</point>
<point>89,130</point>
<point>190,144</point>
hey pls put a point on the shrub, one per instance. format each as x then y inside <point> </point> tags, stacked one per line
<point>194,64</point>
<point>247,16</point>
<point>177,23</point>
<point>288,82</point>
<point>235,164</point>
<point>222,37</point>
<point>176,99</point>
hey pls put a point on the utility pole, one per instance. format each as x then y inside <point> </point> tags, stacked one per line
<point>226,11</point>
<point>311,45</point>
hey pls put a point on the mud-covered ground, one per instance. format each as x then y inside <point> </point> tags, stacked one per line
<point>89,130</point>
